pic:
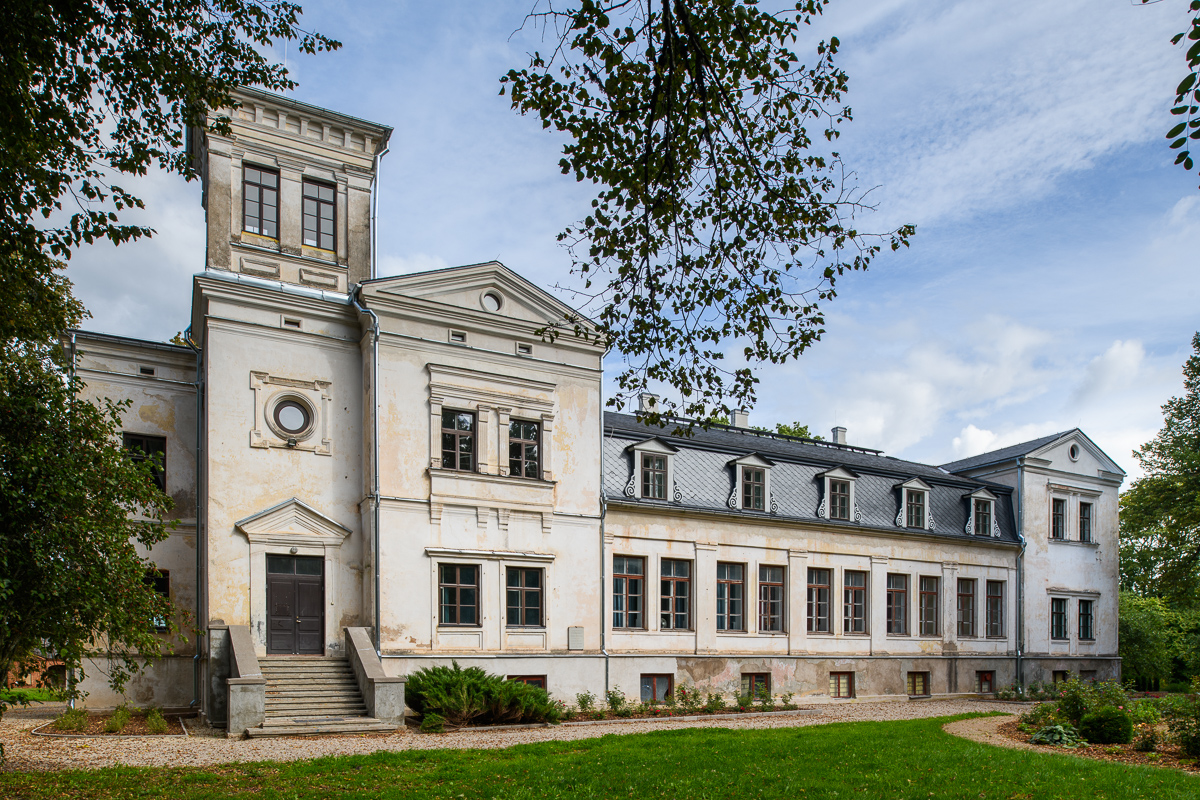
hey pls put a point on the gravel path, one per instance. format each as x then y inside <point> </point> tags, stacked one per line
<point>985,730</point>
<point>26,752</point>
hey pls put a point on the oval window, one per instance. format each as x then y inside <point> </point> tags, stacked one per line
<point>1074,452</point>
<point>492,301</point>
<point>292,416</point>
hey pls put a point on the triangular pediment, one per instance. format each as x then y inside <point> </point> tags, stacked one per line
<point>292,522</point>
<point>751,460</point>
<point>915,483</point>
<point>841,473</point>
<point>467,289</point>
<point>1082,440</point>
<point>653,445</point>
<point>981,493</point>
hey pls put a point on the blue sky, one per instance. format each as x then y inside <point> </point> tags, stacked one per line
<point>1052,282</point>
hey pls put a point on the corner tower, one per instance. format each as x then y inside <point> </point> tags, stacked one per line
<point>287,195</point>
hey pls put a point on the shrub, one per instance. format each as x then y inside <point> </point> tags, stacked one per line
<point>1147,742</point>
<point>155,722</point>
<point>73,719</point>
<point>1077,698</point>
<point>586,702</point>
<point>1143,712</point>
<point>1106,725</point>
<point>463,696</point>
<point>714,703</point>
<point>1041,715</point>
<point>119,719</point>
<point>433,723</point>
<point>616,699</point>
<point>785,701</point>
<point>1184,721</point>
<point>688,698</point>
<point>1057,735</point>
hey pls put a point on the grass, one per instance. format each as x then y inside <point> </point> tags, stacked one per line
<point>16,696</point>
<point>893,760</point>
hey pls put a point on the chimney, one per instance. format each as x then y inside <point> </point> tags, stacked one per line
<point>741,418</point>
<point>839,435</point>
<point>647,402</point>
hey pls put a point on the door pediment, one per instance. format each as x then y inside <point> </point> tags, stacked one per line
<point>293,523</point>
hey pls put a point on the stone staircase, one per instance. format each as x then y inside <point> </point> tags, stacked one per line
<point>313,695</point>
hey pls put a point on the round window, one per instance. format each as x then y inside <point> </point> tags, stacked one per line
<point>292,416</point>
<point>492,301</point>
<point>1074,452</point>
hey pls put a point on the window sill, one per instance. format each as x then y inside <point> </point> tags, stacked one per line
<point>1075,542</point>
<point>526,628</point>
<point>445,627</point>
<point>318,254</point>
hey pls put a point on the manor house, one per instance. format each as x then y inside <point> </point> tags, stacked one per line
<point>376,474</point>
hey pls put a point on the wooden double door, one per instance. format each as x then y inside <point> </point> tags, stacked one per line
<point>295,605</point>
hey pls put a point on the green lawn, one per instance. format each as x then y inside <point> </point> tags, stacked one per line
<point>854,760</point>
<point>15,696</point>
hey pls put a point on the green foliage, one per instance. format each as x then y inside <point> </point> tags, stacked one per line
<point>797,430</point>
<point>1186,129</point>
<point>718,223</point>
<point>72,719</point>
<point>119,719</point>
<point>909,760</point>
<point>1160,513</point>
<point>1147,742</point>
<point>586,701</point>
<point>1143,635</point>
<point>433,723</point>
<point>1143,712</point>
<point>714,703</point>
<point>155,722</point>
<point>471,695</point>
<point>1106,725</point>
<point>615,699</point>
<point>1077,698</point>
<point>689,699</point>
<point>1183,719</point>
<point>1063,735</point>
<point>1041,715</point>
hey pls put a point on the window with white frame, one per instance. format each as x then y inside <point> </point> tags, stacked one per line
<point>837,497</point>
<point>752,483</point>
<point>981,514</point>
<point>653,474</point>
<point>915,509</point>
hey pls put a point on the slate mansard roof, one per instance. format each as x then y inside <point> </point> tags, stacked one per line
<point>704,479</point>
<point>1004,453</point>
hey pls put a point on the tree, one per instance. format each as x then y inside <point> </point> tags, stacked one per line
<point>1187,93</point>
<point>797,430</point>
<point>719,226</point>
<point>1160,514</point>
<point>91,90</point>
<point>1145,644</point>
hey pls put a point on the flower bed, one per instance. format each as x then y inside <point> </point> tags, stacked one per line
<point>1166,754</point>
<point>121,721</point>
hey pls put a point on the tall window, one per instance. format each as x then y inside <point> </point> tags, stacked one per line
<point>897,604</point>
<point>149,448</point>
<point>160,581</point>
<point>260,201</point>
<point>458,440</point>
<point>731,594</point>
<point>629,591</point>
<point>854,612</point>
<point>654,477</point>
<point>524,597</point>
<point>841,684</point>
<point>1085,620</point>
<point>458,594</point>
<point>983,517</point>
<point>1085,522</point>
<point>966,607</point>
<point>839,499</point>
<point>918,684</point>
<point>675,581</point>
<point>818,601</point>
<point>915,508</point>
<point>1058,618</point>
<point>929,606</point>
<point>319,216</point>
<point>524,441</point>
<point>1058,519</point>
<point>994,611</point>
<point>753,489</point>
<point>770,599</point>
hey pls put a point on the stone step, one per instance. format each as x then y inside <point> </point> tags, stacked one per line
<point>349,706</point>
<point>312,691</point>
<point>308,677</point>
<point>317,727</point>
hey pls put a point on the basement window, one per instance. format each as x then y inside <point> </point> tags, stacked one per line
<point>290,322</point>
<point>147,371</point>
<point>524,349</point>
<point>458,337</point>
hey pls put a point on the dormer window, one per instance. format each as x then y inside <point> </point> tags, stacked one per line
<point>752,489</point>
<point>981,514</point>
<point>838,498</point>
<point>915,511</point>
<point>653,476</point>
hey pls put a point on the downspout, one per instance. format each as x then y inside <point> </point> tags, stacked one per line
<point>71,675</point>
<point>1021,570</point>
<point>603,560</point>
<point>375,214</point>
<point>199,384</point>
<point>355,298</point>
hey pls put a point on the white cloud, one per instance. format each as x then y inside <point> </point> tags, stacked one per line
<point>1116,369</point>
<point>404,265</point>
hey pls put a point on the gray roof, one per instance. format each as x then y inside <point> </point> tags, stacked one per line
<point>1004,453</point>
<point>704,480</point>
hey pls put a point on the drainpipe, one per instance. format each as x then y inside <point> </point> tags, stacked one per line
<point>603,578</point>
<point>71,674</point>
<point>356,298</point>
<point>1021,570</point>
<point>199,384</point>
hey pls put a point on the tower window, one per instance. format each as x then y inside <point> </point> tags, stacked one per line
<point>319,216</point>
<point>260,201</point>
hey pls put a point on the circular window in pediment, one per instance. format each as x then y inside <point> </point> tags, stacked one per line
<point>492,301</point>
<point>291,416</point>
<point>1073,452</point>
